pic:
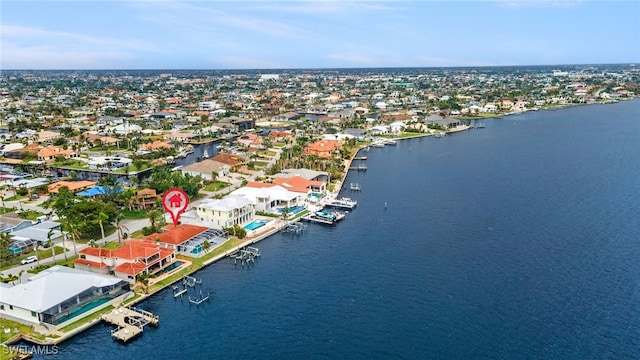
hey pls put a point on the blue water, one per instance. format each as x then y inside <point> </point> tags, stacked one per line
<point>255,224</point>
<point>516,241</point>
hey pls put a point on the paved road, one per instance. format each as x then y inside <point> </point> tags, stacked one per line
<point>129,226</point>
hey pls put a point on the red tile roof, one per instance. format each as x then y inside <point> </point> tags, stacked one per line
<point>177,235</point>
<point>134,249</point>
<point>296,183</point>
<point>100,252</point>
<point>131,268</point>
<point>94,264</point>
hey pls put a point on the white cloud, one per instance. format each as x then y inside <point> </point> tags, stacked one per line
<point>48,57</point>
<point>35,35</point>
<point>212,19</point>
<point>37,48</point>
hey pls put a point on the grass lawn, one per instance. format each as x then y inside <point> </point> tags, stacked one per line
<point>267,153</point>
<point>134,214</point>
<point>4,210</point>
<point>42,254</point>
<point>216,186</point>
<point>30,214</point>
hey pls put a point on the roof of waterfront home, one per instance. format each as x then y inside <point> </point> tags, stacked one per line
<point>71,185</point>
<point>297,183</point>
<point>177,235</point>
<point>52,287</point>
<point>227,203</point>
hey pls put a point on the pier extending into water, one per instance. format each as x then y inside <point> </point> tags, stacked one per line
<point>354,186</point>
<point>246,255</point>
<point>359,168</point>
<point>130,322</point>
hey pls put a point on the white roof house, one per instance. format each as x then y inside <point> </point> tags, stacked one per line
<point>53,294</point>
<point>124,129</point>
<point>266,198</point>
<point>225,212</point>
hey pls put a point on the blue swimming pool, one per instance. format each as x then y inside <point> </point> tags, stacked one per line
<point>174,265</point>
<point>75,312</point>
<point>255,224</point>
<point>292,210</point>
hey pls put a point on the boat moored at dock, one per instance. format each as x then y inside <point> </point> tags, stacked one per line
<point>343,203</point>
<point>324,217</point>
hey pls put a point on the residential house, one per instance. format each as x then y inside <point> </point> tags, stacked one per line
<point>251,141</point>
<point>145,199</point>
<point>208,169</point>
<point>188,239</point>
<point>55,296</point>
<point>267,197</point>
<point>323,148</point>
<point>133,258</point>
<point>233,161</point>
<point>73,186</point>
<point>226,212</point>
<point>45,136</point>
<point>50,153</point>
<point>301,185</point>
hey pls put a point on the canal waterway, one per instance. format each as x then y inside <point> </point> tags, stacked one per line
<point>515,241</point>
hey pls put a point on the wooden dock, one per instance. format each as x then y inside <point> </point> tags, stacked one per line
<point>130,322</point>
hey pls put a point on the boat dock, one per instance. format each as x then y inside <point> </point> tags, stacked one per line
<point>294,228</point>
<point>200,300</point>
<point>130,322</point>
<point>359,168</point>
<point>354,186</point>
<point>245,255</point>
<point>360,158</point>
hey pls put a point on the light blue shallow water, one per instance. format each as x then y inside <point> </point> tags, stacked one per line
<point>516,241</point>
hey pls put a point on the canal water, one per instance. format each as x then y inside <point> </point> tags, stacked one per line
<point>515,241</point>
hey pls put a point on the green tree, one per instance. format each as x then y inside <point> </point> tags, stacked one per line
<point>5,243</point>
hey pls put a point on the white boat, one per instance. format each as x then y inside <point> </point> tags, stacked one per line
<point>345,203</point>
<point>205,154</point>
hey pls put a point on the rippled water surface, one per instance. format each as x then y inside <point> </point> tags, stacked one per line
<point>519,240</point>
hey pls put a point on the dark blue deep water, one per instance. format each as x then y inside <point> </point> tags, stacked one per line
<point>517,241</point>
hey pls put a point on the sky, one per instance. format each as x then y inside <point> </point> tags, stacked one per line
<point>261,34</point>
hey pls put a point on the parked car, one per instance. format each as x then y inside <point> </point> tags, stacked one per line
<point>29,259</point>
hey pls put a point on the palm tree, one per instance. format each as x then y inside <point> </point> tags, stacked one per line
<point>64,246</point>
<point>74,235</point>
<point>119,226</point>
<point>53,247</point>
<point>285,213</point>
<point>155,217</point>
<point>102,217</point>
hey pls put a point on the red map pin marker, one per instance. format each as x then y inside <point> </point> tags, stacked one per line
<point>175,201</point>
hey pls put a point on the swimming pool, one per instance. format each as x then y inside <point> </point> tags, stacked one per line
<point>84,308</point>
<point>292,210</point>
<point>255,224</point>
<point>174,265</point>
